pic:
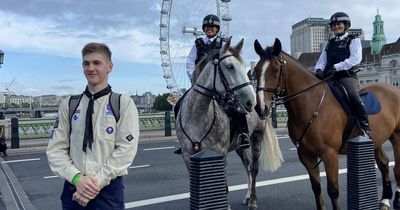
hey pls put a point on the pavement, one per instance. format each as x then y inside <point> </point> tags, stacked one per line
<point>12,195</point>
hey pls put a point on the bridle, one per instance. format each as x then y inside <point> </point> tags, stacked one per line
<point>226,100</point>
<point>279,97</point>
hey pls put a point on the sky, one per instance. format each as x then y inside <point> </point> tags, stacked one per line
<point>42,39</point>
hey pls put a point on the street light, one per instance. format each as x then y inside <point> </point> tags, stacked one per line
<point>1,57</point>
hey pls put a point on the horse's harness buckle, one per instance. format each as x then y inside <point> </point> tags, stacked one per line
<point>196,146</point>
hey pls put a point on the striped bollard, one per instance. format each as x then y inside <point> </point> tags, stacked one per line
<point>208,187</point>
<point>362,187</point>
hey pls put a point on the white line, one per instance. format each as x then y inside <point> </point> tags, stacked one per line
<point>181,196</point>
<point>158,148</point>
<point>294,148</point>
<point>49,177</point>
<point>140,166</point>
<point>22,160</point>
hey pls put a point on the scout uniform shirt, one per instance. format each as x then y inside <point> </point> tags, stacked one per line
<point>114,144</point>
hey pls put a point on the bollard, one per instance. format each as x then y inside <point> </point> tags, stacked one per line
<point>208,187</point>
<point>14,133</point>
<point>362,187</point>
<point>38,114</point>
<point>274,121</point>
<point>2,117</point>
<point>167,123</point>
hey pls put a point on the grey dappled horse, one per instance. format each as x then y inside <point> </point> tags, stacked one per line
<point>203,122</point>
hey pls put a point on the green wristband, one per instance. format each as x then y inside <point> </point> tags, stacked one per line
<point>76,179</point>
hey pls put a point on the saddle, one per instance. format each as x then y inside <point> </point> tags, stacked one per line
<point>371,103</point>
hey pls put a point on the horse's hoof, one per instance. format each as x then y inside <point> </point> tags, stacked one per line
<point>246,201</point>
<point>253,207</point>
<point>383,207</point>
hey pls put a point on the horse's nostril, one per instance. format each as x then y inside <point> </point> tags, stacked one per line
<point>249,104</point>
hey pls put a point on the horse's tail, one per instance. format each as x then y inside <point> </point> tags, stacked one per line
<point>270,155</point>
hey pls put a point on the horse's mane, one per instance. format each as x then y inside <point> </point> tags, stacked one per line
<point>212,54</point>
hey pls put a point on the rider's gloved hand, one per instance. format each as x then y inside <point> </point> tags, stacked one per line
<point>319,74</point>
<point>330,72</point>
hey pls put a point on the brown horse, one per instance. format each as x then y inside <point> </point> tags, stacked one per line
<point>316,121</point>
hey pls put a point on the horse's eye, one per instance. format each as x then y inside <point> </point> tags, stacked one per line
<point>229,66</point>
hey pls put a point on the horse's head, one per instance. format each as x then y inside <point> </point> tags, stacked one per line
<point>270,75</point>
<point>224,75</point>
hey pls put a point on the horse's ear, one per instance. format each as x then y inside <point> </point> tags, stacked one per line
<point>250,73</point>
<point>239,45</point>
<point>227,44</point>
<point>257,47</point>
<point>277,47</point>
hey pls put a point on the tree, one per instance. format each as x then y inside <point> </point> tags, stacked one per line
<point>161,103</point>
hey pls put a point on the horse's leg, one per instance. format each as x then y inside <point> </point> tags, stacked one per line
<point>310,163</point>
<point>382,161</point>
<point>395,140</point>
<point>244,155</point>
<point>331,163</point>
<point>257,137</point>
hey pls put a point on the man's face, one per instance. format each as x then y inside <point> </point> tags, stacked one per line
<point>211,31</point>
<point>338,28</point>
<point>96,68</point>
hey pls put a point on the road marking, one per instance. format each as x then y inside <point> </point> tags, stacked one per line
<point>158,148</point>
<point>22,160</point>
<point>181,196</point>
<point>140,166</point>
<point>294,148</point>
<point>49,177</point>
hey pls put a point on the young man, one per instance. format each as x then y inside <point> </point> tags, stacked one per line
<point>92,151</point>
<point>339,58</point>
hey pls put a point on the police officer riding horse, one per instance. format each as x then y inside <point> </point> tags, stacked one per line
<point>203,45</point>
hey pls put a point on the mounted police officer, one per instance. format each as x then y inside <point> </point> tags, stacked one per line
<point>202,46</point>
<point>338,59</point>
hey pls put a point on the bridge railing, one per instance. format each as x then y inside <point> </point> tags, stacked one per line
<point>41,127</point>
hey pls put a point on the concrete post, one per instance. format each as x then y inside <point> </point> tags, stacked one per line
<point>167,123</point>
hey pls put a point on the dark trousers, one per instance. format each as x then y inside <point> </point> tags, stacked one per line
<point>111,197</point>
<point>356,103</point>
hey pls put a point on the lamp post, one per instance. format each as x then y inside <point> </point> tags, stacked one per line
<point>1,57</point>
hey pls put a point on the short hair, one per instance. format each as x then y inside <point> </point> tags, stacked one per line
<point>97,48</point>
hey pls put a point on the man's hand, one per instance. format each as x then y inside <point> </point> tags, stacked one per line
<point>319,74</point>
<point>88,187</point>
<point>80,199</point>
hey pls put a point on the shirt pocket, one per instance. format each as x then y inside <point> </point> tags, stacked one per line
<point>108,129</point>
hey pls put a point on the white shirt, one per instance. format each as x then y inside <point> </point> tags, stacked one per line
<point>114,144</point>
<point>190,62</point>
<point>354,59</point>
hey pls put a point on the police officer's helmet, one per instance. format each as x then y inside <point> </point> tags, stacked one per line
<point>211,20</point>
<point>340,17</point>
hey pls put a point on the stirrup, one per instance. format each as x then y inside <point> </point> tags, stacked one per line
<point>244,140</point>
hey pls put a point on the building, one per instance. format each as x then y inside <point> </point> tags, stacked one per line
<point>311,35</point>
<point>48,100</point>
<point>378,37</point>
<point>145,102</point>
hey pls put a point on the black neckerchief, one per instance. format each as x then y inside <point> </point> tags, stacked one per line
<point>88,137</point>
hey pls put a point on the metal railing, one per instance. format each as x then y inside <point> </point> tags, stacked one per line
<point>41,127</point>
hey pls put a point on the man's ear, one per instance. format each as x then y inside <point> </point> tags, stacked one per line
<point>110,67</point>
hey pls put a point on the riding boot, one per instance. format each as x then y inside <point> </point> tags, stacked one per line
<point>242,127</point>
<point>363,119</point>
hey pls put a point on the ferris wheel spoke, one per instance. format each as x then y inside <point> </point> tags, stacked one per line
<point>180,24</point>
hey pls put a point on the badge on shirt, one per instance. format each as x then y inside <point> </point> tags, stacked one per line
<point>110,130</point>
<point>75,117</point>
<point>129,137</point>
<point>109,110</point>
